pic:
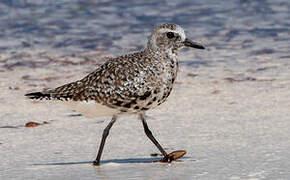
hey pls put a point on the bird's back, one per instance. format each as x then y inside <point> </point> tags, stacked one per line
<point>129,83</point>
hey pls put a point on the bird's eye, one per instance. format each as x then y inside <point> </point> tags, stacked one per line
<point>170,35</point>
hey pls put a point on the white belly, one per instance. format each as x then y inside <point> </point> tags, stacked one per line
<point>91,109</point>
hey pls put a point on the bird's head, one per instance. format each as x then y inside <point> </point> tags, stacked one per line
<point>170,37</point>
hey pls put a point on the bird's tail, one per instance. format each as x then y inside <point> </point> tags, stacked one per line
<point>48,96</point>
<point>63,93</point>
<point>38,95</point>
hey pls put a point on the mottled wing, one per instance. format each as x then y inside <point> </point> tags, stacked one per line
<point>126,83</point>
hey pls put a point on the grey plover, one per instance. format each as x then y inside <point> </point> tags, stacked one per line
<point>128,84</point>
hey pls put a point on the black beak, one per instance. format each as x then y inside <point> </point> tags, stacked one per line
<point>192,44</point>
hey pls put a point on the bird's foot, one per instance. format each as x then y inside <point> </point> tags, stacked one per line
<point>96,163</point>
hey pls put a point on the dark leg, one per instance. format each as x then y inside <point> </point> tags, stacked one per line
<point>151,137</point>
<point>104,137</point>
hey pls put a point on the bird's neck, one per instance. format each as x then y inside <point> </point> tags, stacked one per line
<point>170,53</point>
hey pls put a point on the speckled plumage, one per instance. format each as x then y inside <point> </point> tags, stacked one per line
<point>131,83</point>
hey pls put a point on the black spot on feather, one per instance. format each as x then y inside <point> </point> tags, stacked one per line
<point>145,96</point>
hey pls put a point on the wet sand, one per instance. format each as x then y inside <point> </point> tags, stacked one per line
<point>229,108</point>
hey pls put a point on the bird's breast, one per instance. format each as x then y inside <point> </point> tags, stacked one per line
<point>166,76</point>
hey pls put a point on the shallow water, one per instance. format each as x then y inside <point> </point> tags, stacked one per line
<point>232,99</point>
<point>87,25</point>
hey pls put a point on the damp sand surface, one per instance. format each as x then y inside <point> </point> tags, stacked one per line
<point>229,109</point>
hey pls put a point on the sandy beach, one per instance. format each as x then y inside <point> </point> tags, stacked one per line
<point>229,109</point>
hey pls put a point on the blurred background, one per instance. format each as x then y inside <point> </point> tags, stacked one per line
<point>229,108</point>
<point>247,28</point>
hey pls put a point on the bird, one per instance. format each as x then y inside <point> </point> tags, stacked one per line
<point>128,84</point>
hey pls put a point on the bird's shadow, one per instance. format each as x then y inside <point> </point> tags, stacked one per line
<point>120,161</point>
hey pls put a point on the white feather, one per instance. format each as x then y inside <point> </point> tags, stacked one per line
<point>91,109</point>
